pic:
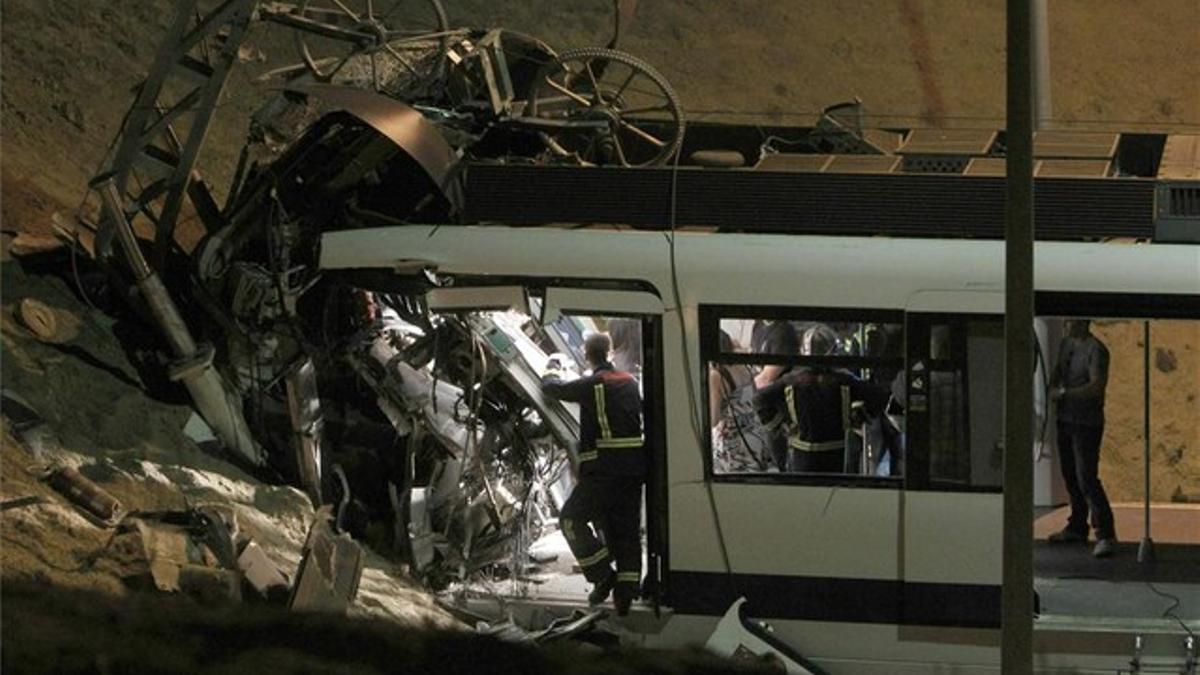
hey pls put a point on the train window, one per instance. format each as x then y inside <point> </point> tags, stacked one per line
<point>802,392</point>
<point>951,405</point>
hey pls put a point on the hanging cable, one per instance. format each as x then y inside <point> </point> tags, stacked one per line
<point>1171,611</point>
<point>692,397</point>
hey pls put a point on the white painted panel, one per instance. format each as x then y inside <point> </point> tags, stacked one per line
<point>972,302</point>
<point>561,300</point>
<point>952,537</point>
<point>693,539</point>
<point>767,269</point>
<point>478,298</point>
<point>791,530</point>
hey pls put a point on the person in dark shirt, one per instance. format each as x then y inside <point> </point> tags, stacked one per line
<point>817,405</point>
<point>777,338</point>
<point>612,468</point>
<point>1077,384</point>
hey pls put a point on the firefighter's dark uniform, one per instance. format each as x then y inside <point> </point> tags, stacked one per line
<point>612,468</point>
<point>816,406</point>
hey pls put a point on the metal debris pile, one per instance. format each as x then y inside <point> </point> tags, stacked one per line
<point>423,425</point>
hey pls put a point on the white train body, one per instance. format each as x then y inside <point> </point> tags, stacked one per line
<point>869,575</point>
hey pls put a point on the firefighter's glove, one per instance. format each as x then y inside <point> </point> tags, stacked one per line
<point>858,413</point>
<point>555,369</point>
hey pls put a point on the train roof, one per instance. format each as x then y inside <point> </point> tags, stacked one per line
<point>767,269</point>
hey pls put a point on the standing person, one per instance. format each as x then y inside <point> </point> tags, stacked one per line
<point>816,406</point>
<point>1077,384</point>
<point>776,338</point>
<point>739,443</point>
<point>612,468</point>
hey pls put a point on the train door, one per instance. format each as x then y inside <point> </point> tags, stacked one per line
<point>521,327</point>
<point>633,319</point>
<point>954,431</point>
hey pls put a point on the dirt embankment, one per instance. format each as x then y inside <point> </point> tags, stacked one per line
<point>1174,411</point>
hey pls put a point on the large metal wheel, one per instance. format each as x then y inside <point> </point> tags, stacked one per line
<point>372,40</point>
<point>630,115</point>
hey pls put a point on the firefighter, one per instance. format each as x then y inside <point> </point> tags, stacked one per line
<point>612,467</point>
<point>817,405</point>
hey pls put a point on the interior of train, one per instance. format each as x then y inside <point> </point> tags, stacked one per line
<point>1151,419</point>
<point>1148,455</point>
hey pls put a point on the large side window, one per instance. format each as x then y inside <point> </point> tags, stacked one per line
<point>952,400</point>
<point>803,392</point>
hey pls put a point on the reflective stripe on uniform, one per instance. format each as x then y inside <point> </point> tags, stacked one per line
<point>845,408</point>
<point>775,422</point>
<point>815,446</point>
<point>602,412</point>
<point>626,442</point>
<point>791,405</point>
<point>588,456</point>
<point>630,577</point>
<point>593,559</point>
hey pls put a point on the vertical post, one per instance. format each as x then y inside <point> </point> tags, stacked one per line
<point>1041,64</point>
<point>1017,593</point>
<point>1146,548</point>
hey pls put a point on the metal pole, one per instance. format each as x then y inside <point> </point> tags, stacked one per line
<point>1016,648</point>
<point>1146,548</point>
<point>1041,64</point>
<point>193,366</point>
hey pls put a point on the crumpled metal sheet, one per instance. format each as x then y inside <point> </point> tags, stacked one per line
<point>330,569</point>
<point>405,126</point>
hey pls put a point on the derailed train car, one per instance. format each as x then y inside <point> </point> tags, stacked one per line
<point>435,416</point>
<point>425,424</point>
<point>861,570</point>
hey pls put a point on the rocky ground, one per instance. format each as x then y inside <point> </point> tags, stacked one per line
<point>66,74</point>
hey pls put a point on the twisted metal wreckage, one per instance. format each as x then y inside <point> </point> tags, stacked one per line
<point>433,412</point>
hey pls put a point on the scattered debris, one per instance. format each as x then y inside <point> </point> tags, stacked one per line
<point>261,574</point>
<point>330,570</point>
<point>20,502</point>
<point>574,625</point>
<point>210,585</point>
<point>94,502</point>
<point>39,318</point>
<point>28,243</point>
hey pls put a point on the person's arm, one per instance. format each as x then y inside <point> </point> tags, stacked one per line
<point>768,405</point>
<point>716,392</point>
<point>768,375</point>
<point>575,391</point>
<point>1060,367</point>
